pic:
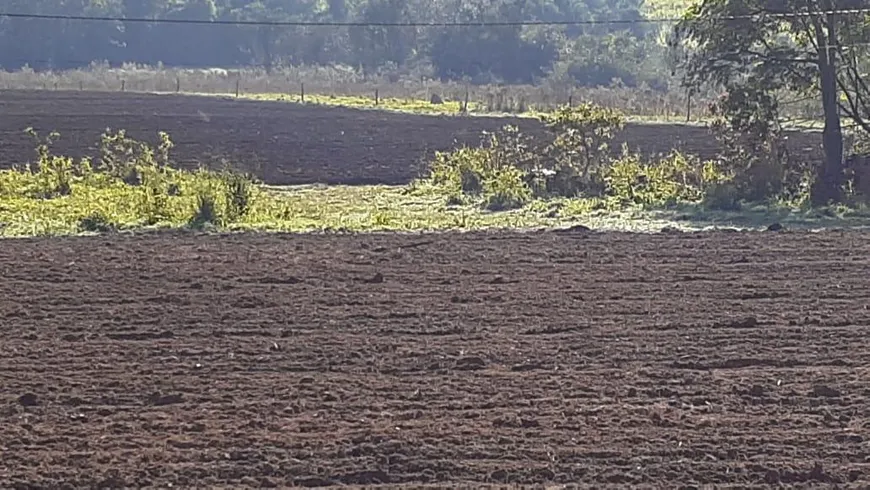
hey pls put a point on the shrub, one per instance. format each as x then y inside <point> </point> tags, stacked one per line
<point>509,169</point>
<point>506,190</point>
<point>580,147</point>
<point>461,171</point>
<point>96,222</point>
<point>159,194</point>
<point>470,181</point>
<point>141,165</point>
<point>674,178</point>
<point>54,174</point>
<point>154,193</point>
<point>206,213</point>
<point>239,194</point>
<point>567,163</point>
<point>123,157</point>
<point>722,197</point>
<point>495,171</point>
<point>747,126</point>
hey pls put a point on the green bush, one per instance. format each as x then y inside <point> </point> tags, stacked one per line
<point>135,184</point>
<point>509,169</point>
<point>579,148</point>
<point>754,154</point>
<point>506,190</point>
<point>206,213</point>
<point>54,174</point>
<point>123,157</point>
<point>722,197</point>
<point>461,171</point>
<point>239,192</point>
<point>96,222</point>
<point>567,163</point>
<point>674,178</point>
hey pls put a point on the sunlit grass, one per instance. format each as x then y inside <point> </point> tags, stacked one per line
<point>134,187</point>
<point>390,208</point>
<point>417,106</point>
<point>454,108</point>
<point>410,105</point>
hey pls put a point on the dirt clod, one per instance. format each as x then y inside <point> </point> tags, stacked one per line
<point>825,391</point>
<point>472,363</point>
<point>574,229</point>
<point>158,399</point>
<point>757,391</point>
<point>741,322</point>
<point>378,278</point>
<point>28,400</point>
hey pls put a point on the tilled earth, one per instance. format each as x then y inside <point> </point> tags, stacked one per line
<point>286,143</point>
<point>544,357</point>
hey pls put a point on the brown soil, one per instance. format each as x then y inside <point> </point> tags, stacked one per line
<point>254,360</point>
<point>288,143</point>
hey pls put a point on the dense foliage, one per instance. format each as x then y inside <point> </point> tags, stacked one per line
<point>804,48</point>
<point>509,169</point>
<point>590,54</point>
<point>131,184</point>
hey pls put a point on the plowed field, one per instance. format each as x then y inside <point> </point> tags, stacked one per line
<point>255,360</point>
<point>287,143</point>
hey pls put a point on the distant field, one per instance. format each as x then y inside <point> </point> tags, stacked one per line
<point>334,84</point>
<point>290,143</point>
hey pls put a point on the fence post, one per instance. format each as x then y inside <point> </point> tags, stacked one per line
<point>177,85</point>
<point>570,100</point>
<point>688,106</point>
<point>377,97</point>
<point>302,92</point>
<point>238,85</point>
<point>465,102</point>
<point>123,85</point>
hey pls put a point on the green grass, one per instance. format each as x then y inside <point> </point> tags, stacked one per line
<point>410,105</point>
<point>416,106</point>
<point>388,208</point>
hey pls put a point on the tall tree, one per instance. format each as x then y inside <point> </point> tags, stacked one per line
<point>810,47</point>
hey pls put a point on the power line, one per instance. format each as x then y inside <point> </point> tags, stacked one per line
<point>266,23</point>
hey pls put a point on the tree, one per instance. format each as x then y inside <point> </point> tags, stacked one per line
<point>588,54</point>
<point>505,53</point>
<point>376,45</point>
<point>810,47</point>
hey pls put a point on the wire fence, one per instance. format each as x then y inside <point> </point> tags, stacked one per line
<point>344,86</point>
<point>331,85</point>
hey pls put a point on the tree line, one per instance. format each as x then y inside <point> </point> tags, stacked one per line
<point>587,54</point>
